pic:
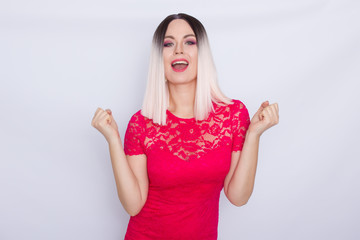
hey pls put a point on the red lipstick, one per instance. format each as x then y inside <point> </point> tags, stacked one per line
<point>179,65</point>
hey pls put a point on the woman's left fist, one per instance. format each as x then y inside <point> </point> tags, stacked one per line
<point>266,117</point>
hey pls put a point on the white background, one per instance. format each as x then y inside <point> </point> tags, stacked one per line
<point>60,60</point>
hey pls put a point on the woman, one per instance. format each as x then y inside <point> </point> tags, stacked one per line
<point>186,143</point>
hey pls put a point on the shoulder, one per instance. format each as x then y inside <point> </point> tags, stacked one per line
<point>136,116</point>
<point>237,104</point>
<point>137,119</point>
<point>233,107</point>
<point>239,110</point>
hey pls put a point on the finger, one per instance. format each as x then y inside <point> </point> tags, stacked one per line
<point>261,108</point>
<point>104,114</point>
<point>96,115</point>
<point>276,106</point>
<point>105,117</point>
<point>274,118</point>
<point>264,115</point>
<point>112,120</point>
<point>276,110</point>
<point>265,104</point>
<point>108,111</point>
<point>98,110</point>
<point>269,110</point>
<point>275,115</point>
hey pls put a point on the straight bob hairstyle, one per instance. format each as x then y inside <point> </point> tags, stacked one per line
<point>156,99</point>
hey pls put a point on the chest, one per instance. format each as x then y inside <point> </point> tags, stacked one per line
<point>188,154</point>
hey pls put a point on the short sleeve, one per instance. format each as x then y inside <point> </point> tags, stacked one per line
<point>240,124</point>
<point>134,135</point>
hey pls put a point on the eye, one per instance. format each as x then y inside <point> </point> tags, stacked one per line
<point>190,42</point>
<point>168,44</point>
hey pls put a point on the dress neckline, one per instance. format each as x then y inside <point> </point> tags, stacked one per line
<point>179,118</point>
<point>186,119</point>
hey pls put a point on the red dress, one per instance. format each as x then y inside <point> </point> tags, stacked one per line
<point>187,162</point>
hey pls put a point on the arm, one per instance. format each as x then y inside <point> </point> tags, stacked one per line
<point>239,182</point>
<point>130,172</point>
<point>131,177</point>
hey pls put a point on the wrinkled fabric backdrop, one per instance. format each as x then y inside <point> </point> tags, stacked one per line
<point>60,60</point>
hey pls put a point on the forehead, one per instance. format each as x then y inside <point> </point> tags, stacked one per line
<point>178,27</point>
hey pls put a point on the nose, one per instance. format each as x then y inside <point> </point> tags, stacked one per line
<point>179,49</point>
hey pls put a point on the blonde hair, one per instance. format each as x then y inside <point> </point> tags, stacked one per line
<point>156,100</point>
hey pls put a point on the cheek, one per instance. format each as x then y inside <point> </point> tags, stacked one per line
<point>167,54</point>
<point>195,61</point>
<point>194,56</point>
<point>166,62</point>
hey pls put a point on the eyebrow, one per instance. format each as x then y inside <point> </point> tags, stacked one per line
<point>188,35</point>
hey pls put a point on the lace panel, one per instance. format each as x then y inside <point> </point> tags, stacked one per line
<point>133,142</point>
<point>240,124</point>
<point>187,138</point>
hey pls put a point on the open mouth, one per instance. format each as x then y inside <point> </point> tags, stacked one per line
<point>179,65</point>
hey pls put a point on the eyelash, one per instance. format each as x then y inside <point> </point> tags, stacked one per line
<point>191,42</point>
<point>168,44</point>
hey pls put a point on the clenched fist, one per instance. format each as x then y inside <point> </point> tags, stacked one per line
<point>266,117</point>
<point>105,123</point>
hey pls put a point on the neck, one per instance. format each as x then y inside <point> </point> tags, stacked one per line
<point>182,99</point>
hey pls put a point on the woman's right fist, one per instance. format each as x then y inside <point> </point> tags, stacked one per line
<point>105,123</point>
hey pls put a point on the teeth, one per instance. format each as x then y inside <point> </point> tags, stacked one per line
<point>180,62</point>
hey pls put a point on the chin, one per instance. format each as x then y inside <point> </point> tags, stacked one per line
<point>181,80</point>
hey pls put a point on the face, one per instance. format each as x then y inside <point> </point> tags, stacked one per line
<point>180,53</point>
